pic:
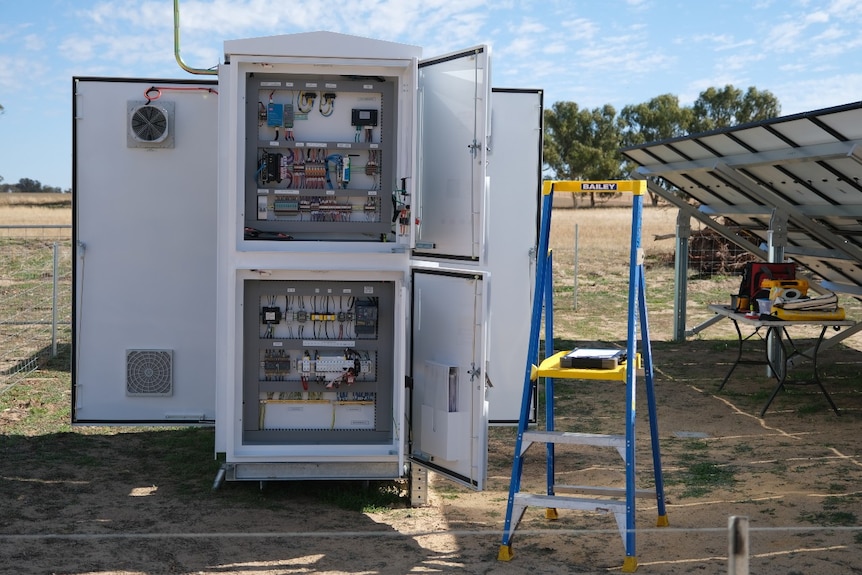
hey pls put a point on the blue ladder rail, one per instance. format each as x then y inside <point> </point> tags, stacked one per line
<point>623,510</point>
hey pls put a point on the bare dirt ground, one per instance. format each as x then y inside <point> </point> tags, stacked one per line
<point>113,501</point>
<point>132,501</point>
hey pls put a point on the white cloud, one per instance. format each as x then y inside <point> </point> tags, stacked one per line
<point>33,42</point>
<point>437,25</point>
<point>741,61</point>
<point>792,68</point>
<point>529,26</point>
<point>784,37</point>
<point>830,34</point>
<point>519,47</point>
<point>846,10</point>
<point>77,49</point>
<point>17,73</point>
<point>816,93</point>
<point>553,48</point>
<point>711,38</point>
<point>734,45</point>
<point>718,42</point>
<point>579,29</point>
<point>10,73</point>
<point>818,17</point>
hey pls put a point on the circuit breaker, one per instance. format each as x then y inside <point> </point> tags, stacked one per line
<point>318,361</point>
<point>319,158</point>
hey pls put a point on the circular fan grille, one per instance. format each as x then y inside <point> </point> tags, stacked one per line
<point>149,124</point>
<point>148,372</point>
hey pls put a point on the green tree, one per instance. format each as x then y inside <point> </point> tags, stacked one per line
<point>29,186</point>
<point>661,118</point>
<point>582,144</point>
<point>729,106</point>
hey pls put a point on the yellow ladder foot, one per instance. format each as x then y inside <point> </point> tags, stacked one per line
<point>662,521</point>
<point>551,513</point>
<point>630,565</point>
<point>505,553</point>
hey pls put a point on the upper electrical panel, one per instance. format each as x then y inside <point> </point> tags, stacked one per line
<point>323,138</point>
<point>320,157</point>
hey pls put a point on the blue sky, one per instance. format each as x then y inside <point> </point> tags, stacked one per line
<point>593,52</point>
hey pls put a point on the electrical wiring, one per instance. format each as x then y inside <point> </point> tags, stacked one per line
<point>372,167</point>
<point>319,160</point>
<point>158,91</point>
<point>336,381</point>
<point>338,160</point>
<point>288,129</point>
<point>285,169</point>
<point>306,102</point>
<point>326,106</point>
<point>351,315</point>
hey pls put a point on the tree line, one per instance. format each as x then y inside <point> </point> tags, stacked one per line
<point>583,144</point>
<point>26,185</point>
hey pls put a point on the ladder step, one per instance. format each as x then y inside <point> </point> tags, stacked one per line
<point>607,491</point>
<point>559,502</point>
<point>575,438</point>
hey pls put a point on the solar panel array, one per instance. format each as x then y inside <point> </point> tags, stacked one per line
<point>798,178</point>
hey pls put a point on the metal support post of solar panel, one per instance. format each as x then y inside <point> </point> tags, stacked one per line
<point>616,500</point>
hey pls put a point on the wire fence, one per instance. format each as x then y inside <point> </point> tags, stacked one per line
<point>35,297</point>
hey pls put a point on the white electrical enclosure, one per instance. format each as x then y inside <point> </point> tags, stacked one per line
<point>363,282</point>
<point>144,265</point>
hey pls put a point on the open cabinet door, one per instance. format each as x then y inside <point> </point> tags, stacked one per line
<point>144,207</point>
<point>515,172</point>
<point>448,411</point>
<point>449,414</point>
<point>454,102</point>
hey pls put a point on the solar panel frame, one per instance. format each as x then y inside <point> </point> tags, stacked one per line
<point>805,167</point>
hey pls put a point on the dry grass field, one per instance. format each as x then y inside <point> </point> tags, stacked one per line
<point>35,209</point>
<point>137,501</point>
<point>603,237</point>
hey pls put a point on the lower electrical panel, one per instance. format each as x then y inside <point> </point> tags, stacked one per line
<point>318,361</point>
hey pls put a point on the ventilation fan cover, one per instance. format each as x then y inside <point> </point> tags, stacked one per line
<point>149,372</point>
<point>150,125</point>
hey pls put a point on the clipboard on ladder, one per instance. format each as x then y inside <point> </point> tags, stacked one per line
<point>591,358</point>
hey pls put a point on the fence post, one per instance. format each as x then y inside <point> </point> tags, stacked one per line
<point>55,298</point>
<point>575,280</point>
<point>737,545</point>
<point>680,296</point>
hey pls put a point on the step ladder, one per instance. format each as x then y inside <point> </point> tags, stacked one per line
<point>618,501</point>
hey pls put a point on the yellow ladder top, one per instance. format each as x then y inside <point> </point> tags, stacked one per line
<point>635,187</point>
